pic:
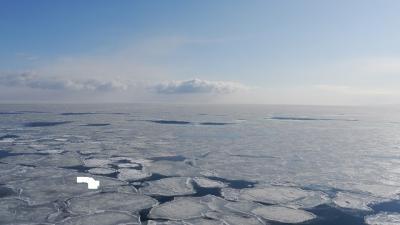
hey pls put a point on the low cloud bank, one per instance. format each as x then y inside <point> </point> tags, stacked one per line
<point>198,86</point>
<point>51,83</point>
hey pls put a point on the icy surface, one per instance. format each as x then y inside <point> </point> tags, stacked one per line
<point>111,201</point>
<point>354,201</point>
<point>173,186</point>
<point>383,219</point>
<point>334,158</point>
<point>283,214</point>
<point>96,162</point>
<point>102,218</point>
<point>16,210</point>
<point>179,209</point>
<point>132,174</point>
<point>233,219</point>
<point>208,183</point>
<point>102,171</point>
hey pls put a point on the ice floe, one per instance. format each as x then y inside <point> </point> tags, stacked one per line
<point>173,186</point>
<point>16,211</point>
<point>354,201</point>
<point>208,183</point>
<point>383,218</point>
<point>273,194</point>
<point>268,194</point>
<point>43,190</point>
<point>283,214</point>
<point>179,209</point>
<point>234,219</point>
<point>126,174</point>
<point>102,218</point>
<point>111,201</point>
<point>96,162</point>
<point>128,165</point>
<point>102,171</point>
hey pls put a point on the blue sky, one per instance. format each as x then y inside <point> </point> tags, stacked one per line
<point>279,52</point>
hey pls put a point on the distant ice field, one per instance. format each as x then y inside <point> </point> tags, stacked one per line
<point>198,164</point>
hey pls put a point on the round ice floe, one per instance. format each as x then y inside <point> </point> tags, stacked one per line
<point>111,201</point>
<point>103,218</point>
<point>208,183</point>
<point>283,214</point>
<point>173,186</point>
<point>234,219</point>
<point>128,165</point>
<point>273,194</point>
<point>102,171</point>
<point>313,199</point>
<point>203,221</point>
<point>93,162</point>
<point>179,209</point>
<point>354,201</point>
<point>51,151</point>
<point>383,219</point>
<point>132,174</point>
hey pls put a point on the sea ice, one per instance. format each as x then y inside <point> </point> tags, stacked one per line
<point>273,194</point>
<point>383,219</point>
<point>208,183</point>
<point>173,186</point>
<point>203,221</point>
<point>14,211</point>
<point>169,168</point>
<point>68,159</point>
<point>102,171</point>
<point>132,174</point>
<point>234,219</point>
<point>179,209</point>
<point>102,218</point>
<point>111,201</point>
<point>230,194</point>
<point>48,189</point>
<point>93,162</point>
<point>354,201</point>
<point>128,165</point>
<point>283,214</point>
<point>313,199</point>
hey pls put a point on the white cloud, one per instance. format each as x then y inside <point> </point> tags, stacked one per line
<point>198,86</point>
<point>33,81</point>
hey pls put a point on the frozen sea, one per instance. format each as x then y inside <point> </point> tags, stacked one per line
<point>198,164</point>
